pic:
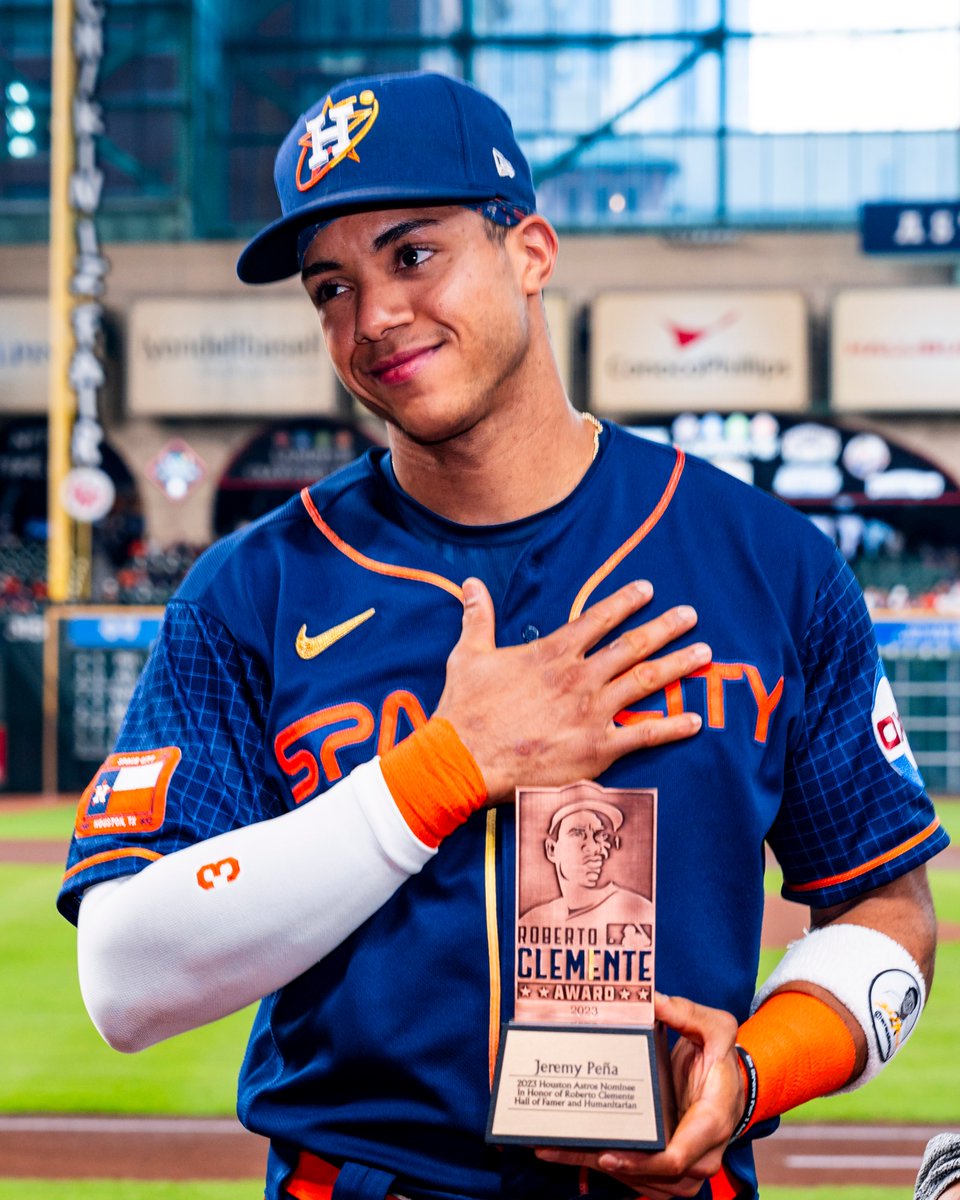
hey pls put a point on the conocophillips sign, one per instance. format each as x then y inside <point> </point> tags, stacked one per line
<point>671,351</point>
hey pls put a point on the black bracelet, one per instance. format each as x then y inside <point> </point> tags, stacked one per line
<point>750,1067</point>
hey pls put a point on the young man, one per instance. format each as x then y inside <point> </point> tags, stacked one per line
<point>306,800</point>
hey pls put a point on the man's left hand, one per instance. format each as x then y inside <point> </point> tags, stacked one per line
<point>710,1102</point>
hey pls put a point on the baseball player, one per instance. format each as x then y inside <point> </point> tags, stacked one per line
<point>306,802</point>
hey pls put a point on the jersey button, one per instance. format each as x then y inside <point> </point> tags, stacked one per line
<point>529,633</point>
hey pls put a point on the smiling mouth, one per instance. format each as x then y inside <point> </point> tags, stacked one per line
<point>403,366</point>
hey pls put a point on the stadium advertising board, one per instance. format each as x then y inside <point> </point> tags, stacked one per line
<point>917,635</point>
<point>896,227</point>
<point>896,348</point>
<point>24,354</point>
<point>878,500</point>
<point>278,461</point>
<point>219,357</point>
<point>673,351</point>
<point>93,658</point>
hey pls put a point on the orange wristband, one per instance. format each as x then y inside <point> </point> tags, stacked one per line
<point>801,1049</point>
<point>434,780</point>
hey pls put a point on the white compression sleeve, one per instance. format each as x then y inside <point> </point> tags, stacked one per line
<point>873,976</point>
<point>211,928</point>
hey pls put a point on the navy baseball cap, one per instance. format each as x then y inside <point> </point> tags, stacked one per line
<point>386,141</point>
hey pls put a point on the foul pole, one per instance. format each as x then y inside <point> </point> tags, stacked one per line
<point>62,402</point>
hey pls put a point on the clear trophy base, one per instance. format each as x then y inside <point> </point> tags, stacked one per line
<point>590,1086</point>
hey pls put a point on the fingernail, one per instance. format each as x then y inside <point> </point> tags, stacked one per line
<point>695,720</point>
<point>609,1162</point>
<point>686,613</point>
<point>548,1155</point>
<point>701,652</point>
<point>644,588</point>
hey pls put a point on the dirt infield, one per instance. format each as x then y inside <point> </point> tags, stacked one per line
<point>52,1147</point>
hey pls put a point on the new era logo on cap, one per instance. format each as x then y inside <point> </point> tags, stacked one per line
<point>504,165</point>
<point>390,141</point>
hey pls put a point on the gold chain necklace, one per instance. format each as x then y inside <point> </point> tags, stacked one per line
<point>597,430</point>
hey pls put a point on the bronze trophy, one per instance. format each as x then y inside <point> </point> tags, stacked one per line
<point>583,1063</point>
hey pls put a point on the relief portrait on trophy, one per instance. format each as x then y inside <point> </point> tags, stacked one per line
<point>601,879</point>
<point>585,900</point>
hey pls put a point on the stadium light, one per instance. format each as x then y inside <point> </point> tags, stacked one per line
<point>21,121</point>
<point>21,147</point>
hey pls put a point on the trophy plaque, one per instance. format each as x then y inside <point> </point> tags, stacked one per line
<point>583,1063</point>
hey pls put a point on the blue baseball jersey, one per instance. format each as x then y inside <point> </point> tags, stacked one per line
<point>382,1053</point>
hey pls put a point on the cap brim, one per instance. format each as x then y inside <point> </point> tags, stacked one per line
<point>272,254</point>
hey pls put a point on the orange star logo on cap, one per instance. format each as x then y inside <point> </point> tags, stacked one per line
<point>333,135</point>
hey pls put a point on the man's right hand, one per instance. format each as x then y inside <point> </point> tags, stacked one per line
<point>542,713</point>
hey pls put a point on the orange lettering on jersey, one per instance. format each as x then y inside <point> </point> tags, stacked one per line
<point>211,875</point>
<point>766,702</point>
<point>627,716</point>
<point>363,727</point>
<point>393,706</point>
<point>715,676</point>
<point>359,729</point>
<point>674,694</point>
<point>674,697</point>
<point>358,725</point>
<point>128,794</point>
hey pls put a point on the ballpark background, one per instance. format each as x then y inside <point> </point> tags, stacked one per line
<point>759,207</point>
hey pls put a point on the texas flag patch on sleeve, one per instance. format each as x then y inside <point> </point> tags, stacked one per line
<point>128,794</point>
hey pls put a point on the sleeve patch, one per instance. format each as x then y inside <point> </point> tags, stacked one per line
<point>889,732</point>
<point>128,794</point>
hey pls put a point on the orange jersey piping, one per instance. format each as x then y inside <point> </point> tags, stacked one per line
<point>632,542</point>
<point>864,868</point>
<point>372,564</point>
<point>109,856</point>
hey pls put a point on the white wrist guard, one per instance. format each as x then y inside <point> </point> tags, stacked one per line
<point>871,975</point>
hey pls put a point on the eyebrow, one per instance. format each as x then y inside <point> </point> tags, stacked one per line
<point>394,234</point>
<point>400,230</point>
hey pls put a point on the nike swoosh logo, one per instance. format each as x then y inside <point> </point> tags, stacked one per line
<point>310,647</point>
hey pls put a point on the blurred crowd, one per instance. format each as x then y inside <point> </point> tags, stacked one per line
<point>942,600</point>
<point>926,582</point>
<point>148,575</point>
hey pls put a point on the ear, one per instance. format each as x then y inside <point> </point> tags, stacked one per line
<point>550,849</point>
<point>535,245</point>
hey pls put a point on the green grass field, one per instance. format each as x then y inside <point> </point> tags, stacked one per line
<point>53,1058</point>
<point>48,821</point>
<point>54,1061</point>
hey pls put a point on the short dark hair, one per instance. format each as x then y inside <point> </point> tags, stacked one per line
<point>495,232</point>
